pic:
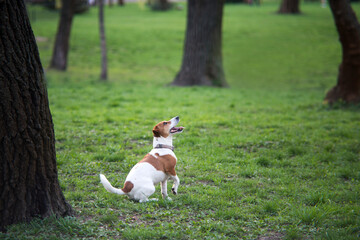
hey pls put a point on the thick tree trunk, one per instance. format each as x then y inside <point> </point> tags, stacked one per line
<point>29,184</point>
<point>202,60</point>
<point>348,83</point>
<point>289,7</point>
<point>61,47</point>
<point>103,74</point>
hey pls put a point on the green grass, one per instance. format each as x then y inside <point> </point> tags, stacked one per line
<point>262,158</point>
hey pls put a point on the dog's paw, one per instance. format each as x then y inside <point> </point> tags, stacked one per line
<point>173,191</point>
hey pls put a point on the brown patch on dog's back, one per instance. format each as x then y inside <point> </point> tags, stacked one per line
<point>164,163</point>
<point>128,186</point>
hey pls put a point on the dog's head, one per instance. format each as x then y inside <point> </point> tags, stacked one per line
<point>167,128</point>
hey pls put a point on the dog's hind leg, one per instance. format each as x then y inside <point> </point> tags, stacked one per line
<point>144,193</point>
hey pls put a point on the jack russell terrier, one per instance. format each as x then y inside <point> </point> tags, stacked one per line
<point>156,167</point>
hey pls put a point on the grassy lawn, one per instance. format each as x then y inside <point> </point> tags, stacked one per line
<point>264,158</point>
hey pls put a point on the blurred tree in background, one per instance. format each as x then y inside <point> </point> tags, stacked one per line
<point>61,46</point>
<point>121,2</point>
<point>160,5</point>
<point>103,74</point>
<point>202,58</point>
<point>289,7</point>
<point>348,27</point>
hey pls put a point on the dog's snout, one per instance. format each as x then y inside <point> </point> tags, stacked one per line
<point>175,121</point>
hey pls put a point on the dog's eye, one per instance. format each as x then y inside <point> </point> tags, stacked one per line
<point>165,123</point>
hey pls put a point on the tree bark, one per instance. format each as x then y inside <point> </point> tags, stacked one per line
<point>289,7</point>
<point>202,60</point>
<point>121,2</point>
<point>103,74</point>
<point>29,184</point>
<point>61,47</point>
<point>348,82</point>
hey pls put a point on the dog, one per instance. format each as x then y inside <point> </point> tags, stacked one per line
<point>156,167</point>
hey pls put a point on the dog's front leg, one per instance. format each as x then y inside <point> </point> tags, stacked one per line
<point>164,189</point>
<point>174,188</point>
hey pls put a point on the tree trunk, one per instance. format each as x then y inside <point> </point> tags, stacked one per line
<point>103,75</point>
<point>61,47</point>
<point>202,60</point>
<point>164,4</point>
<point>289,7</point>
<point>348,83</point>
<point>159,5</point>
<point>29,184</point>
<point>121,2</point>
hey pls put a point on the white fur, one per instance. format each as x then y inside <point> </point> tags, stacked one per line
<point>109,187</point>
<point>144,176</point>
<point>162,152</point>
<point>162,140</point>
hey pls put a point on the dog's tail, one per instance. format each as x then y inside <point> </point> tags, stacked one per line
<point>109,187</point>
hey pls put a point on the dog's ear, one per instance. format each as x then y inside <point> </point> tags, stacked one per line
<point>156,131</point>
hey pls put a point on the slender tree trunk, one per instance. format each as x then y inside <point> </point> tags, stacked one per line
<point>61,47</point>
<point>121,2</point>
<point>29,184</point>
<point>289,7</point>
<point>348,83</point>
<point>202,60</point>
<point>103,75</point>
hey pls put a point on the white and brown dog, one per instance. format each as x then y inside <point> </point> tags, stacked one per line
<point>156,167</point>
